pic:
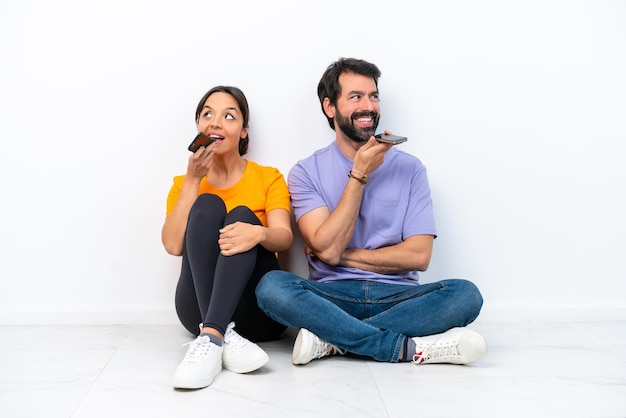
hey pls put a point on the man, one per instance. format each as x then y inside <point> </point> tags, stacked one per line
<point>364,211</point>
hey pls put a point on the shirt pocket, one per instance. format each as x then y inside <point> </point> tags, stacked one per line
<point>387,222</point>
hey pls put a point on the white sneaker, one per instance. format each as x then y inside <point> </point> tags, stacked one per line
<point>309,346</point>
<point>241,355</point>
<point>202,362</point>
<point>455,346</point>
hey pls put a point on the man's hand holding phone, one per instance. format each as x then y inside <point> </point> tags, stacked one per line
<point>390,139</point>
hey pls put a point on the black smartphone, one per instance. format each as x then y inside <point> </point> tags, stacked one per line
<point>201,140</point>
<point>390,139</point>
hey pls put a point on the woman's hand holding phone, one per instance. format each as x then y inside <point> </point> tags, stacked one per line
<point>201,140</point>
<point>200,160</point>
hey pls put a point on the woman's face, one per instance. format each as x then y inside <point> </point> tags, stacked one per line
<point>221,119</point>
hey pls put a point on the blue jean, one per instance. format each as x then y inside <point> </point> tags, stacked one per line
<point>365,317</point>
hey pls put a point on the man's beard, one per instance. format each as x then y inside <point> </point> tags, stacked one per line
<point>353,132</point>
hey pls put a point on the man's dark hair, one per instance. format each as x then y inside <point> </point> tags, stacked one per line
<point>329,83</point>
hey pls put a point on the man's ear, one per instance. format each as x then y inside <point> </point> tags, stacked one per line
<point>329,109</point>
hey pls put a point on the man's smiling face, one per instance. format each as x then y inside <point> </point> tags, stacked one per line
<point>357,111</point>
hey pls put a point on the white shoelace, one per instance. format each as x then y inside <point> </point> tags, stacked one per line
<point>430,352</point>
<point>198,349</point>
<point>323,349</point>
<point>235,340</point>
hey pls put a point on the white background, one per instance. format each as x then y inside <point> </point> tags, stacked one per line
<point>517,109</point>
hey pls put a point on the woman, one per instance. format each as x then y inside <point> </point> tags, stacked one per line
<point>228,218</point>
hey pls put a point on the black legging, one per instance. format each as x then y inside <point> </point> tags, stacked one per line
<point>215,289</point>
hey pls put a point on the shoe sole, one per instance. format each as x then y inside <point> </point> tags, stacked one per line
<point>195,381</point>
<point>297,357</point>
<point>248,366</point>
<point>192,383</point>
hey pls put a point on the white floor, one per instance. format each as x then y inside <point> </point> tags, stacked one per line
<point>531,370</point>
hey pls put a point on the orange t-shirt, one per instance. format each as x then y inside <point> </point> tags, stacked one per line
<point>261,189</point>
